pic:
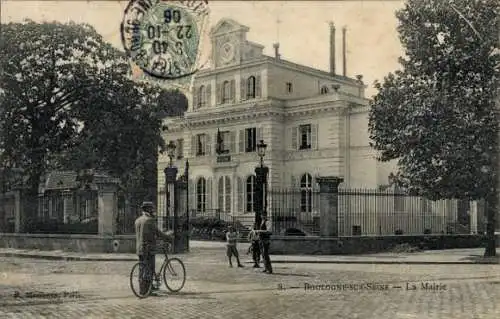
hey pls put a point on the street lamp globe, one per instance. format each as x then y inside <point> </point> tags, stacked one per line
<point>171,150</point>
<point>261,148</point>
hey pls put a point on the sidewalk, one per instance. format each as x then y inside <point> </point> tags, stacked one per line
<point>201,251</point>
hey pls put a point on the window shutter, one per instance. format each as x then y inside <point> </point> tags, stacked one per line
<point>294,137</point>
<point>208,95</point>
<point>192,195</point>
<point>233,91</point>
<point>220,194</point>
<point>219,93</point>
<point>209,193</point>
<point>241,147</point>
<point>228,194</point>
<point>289,133</point>
<point>232,145</point>
<point>260,134</point>
<point>208,146</point>
<point>257,86</point>
<point>240,195</point>
<point>314,136</point>
<point>196,93</point>
<point>243,89</point>
<point>193,145</point>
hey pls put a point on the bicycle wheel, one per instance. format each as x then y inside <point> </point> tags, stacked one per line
<point>174,274</point>
<point>141,281</point>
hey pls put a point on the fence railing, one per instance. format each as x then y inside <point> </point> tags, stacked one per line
<point>361,212</point>
<point>63,212</point>
<point>294,212</point>
<point>374,212</point>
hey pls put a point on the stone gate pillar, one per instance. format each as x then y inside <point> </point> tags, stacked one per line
<point>328,205</point>
<point>107,205</point>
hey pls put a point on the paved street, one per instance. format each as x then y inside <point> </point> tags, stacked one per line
<point>89,289</point>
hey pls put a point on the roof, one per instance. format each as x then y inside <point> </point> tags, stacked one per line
<point>59,180</point>
<point>62,180</point>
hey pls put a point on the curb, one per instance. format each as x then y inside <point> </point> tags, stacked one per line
<point>363,262</point>
<point>291,261</point>
<point>66,258</point>
<point>381,262</point>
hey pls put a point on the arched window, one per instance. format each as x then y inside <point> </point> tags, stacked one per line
<point>201,195</point>
<point>250,193</point>
<point>306,193</point>
<point>202,96</point>
<point>251,87</point>
<point>224,187</point>
<point>324,90</point>
<point>226,92</point>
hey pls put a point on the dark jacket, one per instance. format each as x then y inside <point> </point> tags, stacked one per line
<point>146,233</point>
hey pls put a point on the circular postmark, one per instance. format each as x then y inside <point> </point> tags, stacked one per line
<point>162,37</point>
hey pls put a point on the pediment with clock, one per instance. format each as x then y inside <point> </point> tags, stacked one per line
<point>230,45</point>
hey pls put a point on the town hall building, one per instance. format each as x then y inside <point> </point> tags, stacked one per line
<point>314,122</point>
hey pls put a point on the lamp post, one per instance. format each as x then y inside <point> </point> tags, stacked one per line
<point>170,178</point>
<point>261,185</point>
<point>188,229</point>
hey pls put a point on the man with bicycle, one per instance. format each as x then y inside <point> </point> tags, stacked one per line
<point>146,233</point>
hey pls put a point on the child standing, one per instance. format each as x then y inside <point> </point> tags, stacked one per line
<point>231,241</point>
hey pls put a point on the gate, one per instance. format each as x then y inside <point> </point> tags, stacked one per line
<point>175,213</point>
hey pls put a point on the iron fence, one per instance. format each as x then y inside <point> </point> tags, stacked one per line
<point>7,212</point>
<point>129,208</point>
<point>294,212</point>
<point>365,212</point>
<point>63,212</point>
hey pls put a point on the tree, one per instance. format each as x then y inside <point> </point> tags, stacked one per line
<point>67,102</point>
<point>436,115</point>
<point>47,70</point>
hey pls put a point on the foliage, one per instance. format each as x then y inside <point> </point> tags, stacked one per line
<point>436,115</point>
<point>66,102</point>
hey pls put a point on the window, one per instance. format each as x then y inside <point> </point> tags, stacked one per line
<point>324,90</point>
<point>250,139</point>
<point>250,192</point>
<point>306,193</point>
<point>226,92</point>
<point>305,136</point>
<point>201,141</point>
<point>251,87</point>
<point>202,96</point>
<point>289,88</point>
<point>201,195</point>
<point>224,188</point>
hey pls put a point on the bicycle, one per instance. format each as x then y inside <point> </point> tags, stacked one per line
<point>167,268</point>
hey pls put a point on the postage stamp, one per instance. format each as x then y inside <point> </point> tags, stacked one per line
<point>162,38</point>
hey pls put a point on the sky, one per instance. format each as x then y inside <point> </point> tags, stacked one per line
<point>373,46</point>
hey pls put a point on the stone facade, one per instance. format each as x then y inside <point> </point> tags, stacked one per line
<point>313,122</point>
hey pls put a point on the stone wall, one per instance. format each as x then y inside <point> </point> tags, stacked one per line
<point>70,243</point>
<point>289,245</point>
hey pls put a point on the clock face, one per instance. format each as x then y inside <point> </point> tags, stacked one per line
<point>227,52</point>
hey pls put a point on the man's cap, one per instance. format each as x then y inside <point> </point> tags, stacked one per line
<point>147,204</point>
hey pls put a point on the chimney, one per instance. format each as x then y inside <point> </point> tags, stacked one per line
<point>276,47</point>
<point>332,48</point>
<point>344,72</point>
